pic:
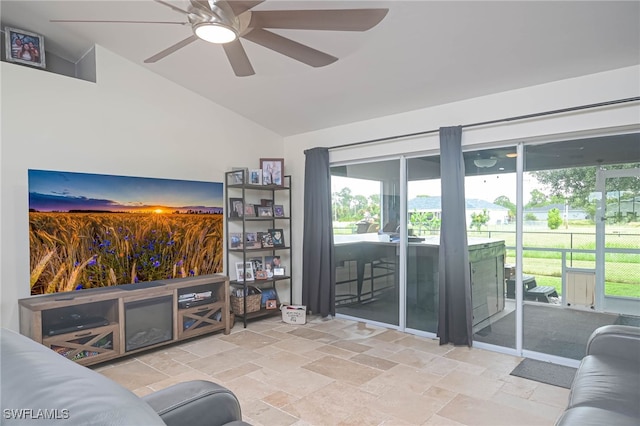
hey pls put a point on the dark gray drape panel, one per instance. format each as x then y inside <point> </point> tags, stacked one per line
<point>318,278</point>
<point>455,316</point>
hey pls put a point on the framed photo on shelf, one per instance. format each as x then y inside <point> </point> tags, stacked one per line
<point>278,272</point>
<point>244,273</point>
<point>271,304</point>
<point>235,240</point>
<point>251,241</point>
<point>236,177</point>
<point>278,210</point>
<point>24,47</point>
<point>277,237</point>
<point>265,211</point>
<point>272,171</point>
<point>273,262</point>
<point>255,177</point>
<point>262,275</point>
<point>257,263</point>
<point>249,210</point>
<point>236,208</point>
<point>266,202</point>
<point>267,295</point>
<point>265,239</point>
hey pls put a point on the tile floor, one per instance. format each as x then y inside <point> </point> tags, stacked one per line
<point>339,372</point>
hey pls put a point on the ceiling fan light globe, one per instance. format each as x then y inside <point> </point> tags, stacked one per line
<point>485,162</point>
<point>215,33</point>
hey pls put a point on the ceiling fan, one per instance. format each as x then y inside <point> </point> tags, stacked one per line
<point>226,21</point>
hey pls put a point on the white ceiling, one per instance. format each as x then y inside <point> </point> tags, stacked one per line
<point>424,53</point>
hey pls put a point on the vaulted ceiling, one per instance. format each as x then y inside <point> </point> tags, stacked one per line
<point>423,53</point>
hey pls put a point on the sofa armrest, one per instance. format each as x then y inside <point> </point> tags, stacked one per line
<point>196,402</point>
<point>620,341</point>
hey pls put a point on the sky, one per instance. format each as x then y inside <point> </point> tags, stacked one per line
<point>486,187</point>
<point>63,191</point>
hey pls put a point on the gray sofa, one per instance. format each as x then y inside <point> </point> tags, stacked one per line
<point>606,388</point>
<point>41,387</point>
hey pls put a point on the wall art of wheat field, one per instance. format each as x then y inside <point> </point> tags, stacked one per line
<point>88,230</point>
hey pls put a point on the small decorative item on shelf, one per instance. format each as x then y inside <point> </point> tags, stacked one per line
<point>272,171</point>
<point>277,236</point>
<point>24,47</point>
<point>257,263</point>
<point>272,261</point>
<point>278,211</point>
<point>262,275</point>
<point>266,202</point>
<point>268,294</point>
<point>255,177</point>
<point>272,304</point>
<point>278,272</point>
<point>253,295</point>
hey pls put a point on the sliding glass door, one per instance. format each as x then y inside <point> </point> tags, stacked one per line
<point>366,213</point>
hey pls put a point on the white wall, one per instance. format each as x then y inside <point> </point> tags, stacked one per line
<point>131,122</point>
<point>607,86</point>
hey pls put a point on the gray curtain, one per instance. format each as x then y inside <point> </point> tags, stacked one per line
<point>455,316</point>
<point>318,278</point>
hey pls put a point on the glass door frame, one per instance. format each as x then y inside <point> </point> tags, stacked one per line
<point>602,302</point>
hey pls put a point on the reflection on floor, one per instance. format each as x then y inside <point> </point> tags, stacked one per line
<point>549,329</point>
<point>339,372</point>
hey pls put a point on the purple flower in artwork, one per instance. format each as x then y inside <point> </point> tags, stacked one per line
<point>156,263</point>
<point>92,262</point>
<point>79,287</point>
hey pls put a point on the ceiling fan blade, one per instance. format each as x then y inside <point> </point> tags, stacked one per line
<point>330,20</point>
<point>117,22</point>
<point>174,8</point>
<point>238,59</point>
<point>290,48</point>
<point>240,6</point>
<point>170,50</point>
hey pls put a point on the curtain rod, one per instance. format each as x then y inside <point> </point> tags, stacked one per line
<point>484,123</point>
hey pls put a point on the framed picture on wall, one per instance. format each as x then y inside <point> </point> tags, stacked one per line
<point>272,171</point>
<point>24,47</point>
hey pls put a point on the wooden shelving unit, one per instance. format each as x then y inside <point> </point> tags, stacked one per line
<point>253,194</point>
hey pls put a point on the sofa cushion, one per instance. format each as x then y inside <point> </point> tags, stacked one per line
<point>591,416</point>
<point>35,378</point>
<point>608,383</point>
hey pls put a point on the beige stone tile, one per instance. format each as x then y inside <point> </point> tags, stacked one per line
<point>207,347</point>
<point>279,399</point>
<point>413,358</point>
<point>311,334</point>
<point>161,355</point>
<point>341,369</point>
<point>408,406</point>
<point>389,335</point>
<point>369,416</point>
<point>282,361</point>
<point>248,339</point>
<point>223,361</point>
<point>134,375</point>
<point>143,391</point>
<point>443,395</point>
<point>248,389</point>
<point>518,386</point>
<point>425,344</point>
<point>474,411</point>
<point>186,376</point>
<point>297,381</point>
<point>408,378</point>
<point>351,346</point>
<point>276,334</point>
<point>550,395</point>
<point>329,350</point>
<point>373,361</point>
<point>235,372</point>
<point>536,408</point>
<point>470,385</point>
<point>483,358</point>
<point>298,345</point>
<point>268,415</point>
<point>437,420</point>
<point>328,405</point>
